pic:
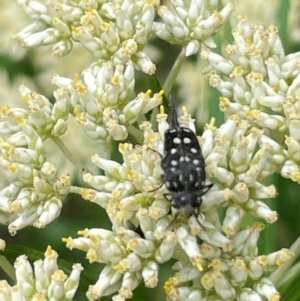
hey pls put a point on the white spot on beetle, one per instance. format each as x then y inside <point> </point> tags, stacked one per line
<point>176,140</point>
<point>187,140</point>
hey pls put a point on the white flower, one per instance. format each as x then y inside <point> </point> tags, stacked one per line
<point>191,23</point>
<point>131,193</point>
<point>43,281</point>
<point>115,31</point>
<point>103,102</point>
<point>35,194</point>
<point>263,79</point>
<point>215,258</point>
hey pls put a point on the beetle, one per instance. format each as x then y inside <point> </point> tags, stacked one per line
<point>183,168</point>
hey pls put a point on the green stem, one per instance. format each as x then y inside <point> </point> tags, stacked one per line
<point>7,268</point>
<point>277,276</point>
<point>66,152</point>
<point>174,72</point>
<point>136,133</point>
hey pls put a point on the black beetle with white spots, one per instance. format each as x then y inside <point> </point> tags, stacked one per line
<point>184,168</point>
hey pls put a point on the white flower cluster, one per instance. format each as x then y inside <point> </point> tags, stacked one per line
<point>190,23</point>
<point>115,31</point>
<point>260,97</point>
<point>261,85</point>
<point>45,282</point>
<point>34,194</point>
<point>225,260</point>
<point>102,101</point>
